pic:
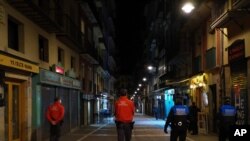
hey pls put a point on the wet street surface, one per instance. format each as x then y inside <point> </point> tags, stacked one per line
<point>146,128</point>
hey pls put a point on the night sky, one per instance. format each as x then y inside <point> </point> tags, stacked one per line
<point>129,26</point>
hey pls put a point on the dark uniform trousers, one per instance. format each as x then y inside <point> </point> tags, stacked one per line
<point>124,131</point>
<point>175,134</point>
<point>55,132</point>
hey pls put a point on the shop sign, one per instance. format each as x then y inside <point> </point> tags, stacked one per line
<point>88,96</point>
<point>236,52</point>
<point>18,64</point>
<point>56,79</point>
<point>76,84</point>
<point>47,76</point>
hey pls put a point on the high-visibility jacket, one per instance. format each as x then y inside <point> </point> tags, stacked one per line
<point>55,112</point>
<point>124,110</point>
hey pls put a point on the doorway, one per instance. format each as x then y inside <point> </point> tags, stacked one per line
<point>213,107</point>
<point>13,114</point>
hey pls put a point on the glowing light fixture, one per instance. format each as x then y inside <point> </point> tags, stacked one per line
<point>150,67</point>
<point>188,7</point>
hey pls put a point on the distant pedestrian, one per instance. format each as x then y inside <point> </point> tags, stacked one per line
<point>226,118</point>
<point>124,114</point>
<point>55,115</point>
<point>193,127</point>
<point>178,119</point>
<point>156,112</point>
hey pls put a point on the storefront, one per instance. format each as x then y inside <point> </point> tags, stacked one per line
<point>199,95</point>
<point>169,100</point>
<point>238,69</point>
<point>15,97</point>
<point>46,86</point>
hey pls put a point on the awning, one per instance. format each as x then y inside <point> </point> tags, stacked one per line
<point>178,82</point>
<point>171,85</point>
<point>160,90</point>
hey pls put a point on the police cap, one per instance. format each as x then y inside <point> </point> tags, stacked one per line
<point>227,99</point>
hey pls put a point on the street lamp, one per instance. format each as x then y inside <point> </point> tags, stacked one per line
<point>150,67</point>
<point>187,7</point>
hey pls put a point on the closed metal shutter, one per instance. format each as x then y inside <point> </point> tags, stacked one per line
<point>64,94</point>
<point>239,91</point>
<point>47,97</point>
<point>74,96</point>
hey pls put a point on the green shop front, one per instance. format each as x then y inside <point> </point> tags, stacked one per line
<point>46,86</point>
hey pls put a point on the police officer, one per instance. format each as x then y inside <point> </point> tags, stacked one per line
<point>178,119</point>
<point>124,114</point>
<point>55,115</point>
<point>226,118</point>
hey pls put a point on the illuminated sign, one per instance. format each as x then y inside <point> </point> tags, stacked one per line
<point>59,70</point>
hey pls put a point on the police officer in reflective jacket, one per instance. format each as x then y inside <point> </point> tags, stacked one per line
<point>226,118</point>
<point>178,119</point>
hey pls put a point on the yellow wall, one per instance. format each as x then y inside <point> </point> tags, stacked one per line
<point>31,33</point>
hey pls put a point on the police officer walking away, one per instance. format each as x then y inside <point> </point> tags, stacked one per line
<point>124,114</point>
<point>178,119</point>
<point>226,118</point>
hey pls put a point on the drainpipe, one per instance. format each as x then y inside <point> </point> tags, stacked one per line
<point>222,71</point>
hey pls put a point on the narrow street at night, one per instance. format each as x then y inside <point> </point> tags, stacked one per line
<point>68,68</point>
<point>146,128</point>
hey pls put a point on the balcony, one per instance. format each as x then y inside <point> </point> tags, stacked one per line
<point>52,20</point>
<point>90,54</point>
<point>41,14</point>
<point>231,17</point>
<point>70,34</point>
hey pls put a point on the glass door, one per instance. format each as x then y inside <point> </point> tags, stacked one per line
<point>12,120</point>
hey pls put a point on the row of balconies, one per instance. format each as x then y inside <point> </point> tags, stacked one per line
<point>52,16</point>
<point>221,14</point>
<point>53,19</point>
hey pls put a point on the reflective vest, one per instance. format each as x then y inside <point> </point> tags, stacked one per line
<point>180,117</point>
<point>228,113</point>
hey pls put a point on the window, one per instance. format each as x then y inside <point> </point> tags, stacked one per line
<point>60,56</point>
<point>15,34</point>
<point>72,60</point>
<point>82,26</point>
<point>43,48</point>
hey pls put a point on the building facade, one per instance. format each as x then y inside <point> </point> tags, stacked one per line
<point>43,55</point>
<point>211,59</point>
